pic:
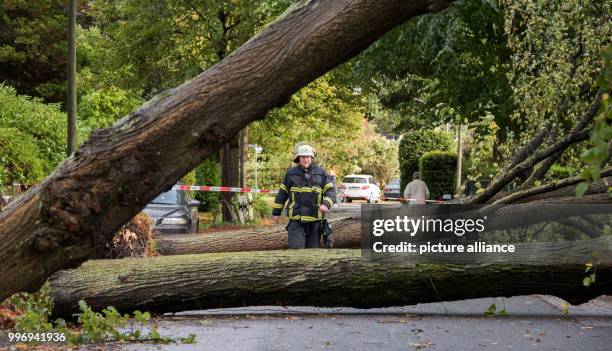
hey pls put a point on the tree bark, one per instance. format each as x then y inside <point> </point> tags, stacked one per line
<point>229,175</point>
<point>597,192</point>
<point>546,188</point>
<point>71,100</point>
<point>540,173</point>
<point>347,234</point>
<point>309,277</point>
<point>244,152</point>
<point>226,179</point>
<point>545,165</point>
<point>73,212</point>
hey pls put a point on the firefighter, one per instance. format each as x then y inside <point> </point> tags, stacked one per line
<point>308,193</point>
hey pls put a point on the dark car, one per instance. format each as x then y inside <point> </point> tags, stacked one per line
<point>173,212</point>
<point>392,190</point>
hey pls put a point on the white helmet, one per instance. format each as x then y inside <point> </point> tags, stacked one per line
<point>303,149</point>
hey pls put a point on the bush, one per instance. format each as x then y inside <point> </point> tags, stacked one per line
<point>261,207</point>
<point>103,107</point>
<point>208,173</point>
<point>33,140</point>
<point>31,313</point>
<point>413,145</point>
<point>20,159</point>
<point>557,172</point>
<point>438,170</point>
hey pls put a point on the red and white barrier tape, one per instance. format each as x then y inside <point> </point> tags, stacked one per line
<point>254,190</point>
<point>225,189</point>
<point>416,201</point>
<point>401,198</point>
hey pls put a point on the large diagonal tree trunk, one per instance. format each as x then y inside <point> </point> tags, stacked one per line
<point>72,213</point>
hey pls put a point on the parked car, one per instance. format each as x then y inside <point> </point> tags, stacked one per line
<point>392,190</point>
<point>360,186</point>
<point>173,212</point>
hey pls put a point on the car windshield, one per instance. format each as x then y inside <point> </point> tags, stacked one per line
<point>394,183</point>
<point>171,197</point>
<point>355,180</point>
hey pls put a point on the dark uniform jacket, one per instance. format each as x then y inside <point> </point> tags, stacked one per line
<point>304,191</point>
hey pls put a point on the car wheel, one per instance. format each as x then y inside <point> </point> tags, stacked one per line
<point>370,199</point>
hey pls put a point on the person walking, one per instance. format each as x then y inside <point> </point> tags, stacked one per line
<point>416,191</point>
<point>307,192</point>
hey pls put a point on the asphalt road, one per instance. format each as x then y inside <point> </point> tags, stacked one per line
<point>533,323</point>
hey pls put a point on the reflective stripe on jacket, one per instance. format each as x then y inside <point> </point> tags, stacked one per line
<point>303,191</point>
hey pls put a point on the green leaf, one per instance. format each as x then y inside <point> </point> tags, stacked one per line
<point>565,308</point>
<point>191,339</point>
<point>491,310</point>
<point>154,334</point>
<point>581,189</point>
<point>83,305</point>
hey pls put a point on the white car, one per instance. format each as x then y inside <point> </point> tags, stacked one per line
<point>360,187</point>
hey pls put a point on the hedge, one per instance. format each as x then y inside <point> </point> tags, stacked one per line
<point>438,170</point>
<point>208,173</point>
<point>32,137</point>
<point>413,145</point>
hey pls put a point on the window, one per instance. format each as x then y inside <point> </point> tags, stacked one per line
<point>171,197</point>
<point>355,180</point>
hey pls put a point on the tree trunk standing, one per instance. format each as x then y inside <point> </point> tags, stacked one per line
<point>71,105</point>
<point>459,160</point>
<point>305,277</point>
<point>244,153</point>
<point>235,160</point>
<point>71,214</point>
<point>226,198</point>
<point>230,175</point>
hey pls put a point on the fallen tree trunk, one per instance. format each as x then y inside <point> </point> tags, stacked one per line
<point>347,234</point>
<point>596,193</point>
<point>308,278</point>
<point>73,212</point>
<point>347,231</point>
<point>566,183</point>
